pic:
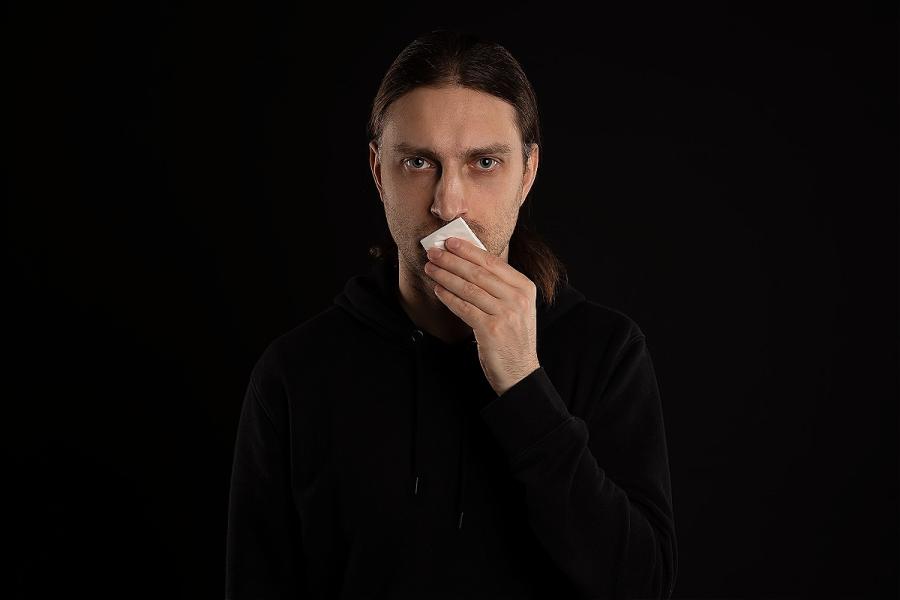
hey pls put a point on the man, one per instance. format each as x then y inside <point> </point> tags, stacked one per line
<point>465,424</point>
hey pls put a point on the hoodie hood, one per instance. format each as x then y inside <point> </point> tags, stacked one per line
<point>373,299</point>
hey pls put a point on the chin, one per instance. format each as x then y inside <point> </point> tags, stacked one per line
<point>426,286</point>
<point>414,259</point>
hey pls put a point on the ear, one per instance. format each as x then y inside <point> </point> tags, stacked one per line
<point>375,166</point>
<point>531,167</point>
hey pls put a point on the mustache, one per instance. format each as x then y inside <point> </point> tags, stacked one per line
<point>476,229</point>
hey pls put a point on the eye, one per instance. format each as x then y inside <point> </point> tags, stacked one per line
<point>481,163</point>
<point>417,160</point>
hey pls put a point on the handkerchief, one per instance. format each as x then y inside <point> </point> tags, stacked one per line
<point>456,228</point>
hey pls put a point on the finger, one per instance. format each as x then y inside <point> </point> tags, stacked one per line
<point>469,313</point>
<point>494,264</point>
<point>464,289</point>
<point>475,273</point>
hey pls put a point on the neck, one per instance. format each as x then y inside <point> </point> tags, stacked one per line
<point>426,310</point>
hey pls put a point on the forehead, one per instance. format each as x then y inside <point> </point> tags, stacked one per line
<point>450,118</point>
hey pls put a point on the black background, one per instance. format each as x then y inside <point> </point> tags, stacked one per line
<point>186,181</point>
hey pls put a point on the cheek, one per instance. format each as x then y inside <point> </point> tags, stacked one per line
<point>506,182</point>
<point>498,187</point>
<point>411,186</point>
<point>489,192</point>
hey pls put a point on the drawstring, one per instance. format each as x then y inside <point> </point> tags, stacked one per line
<point>464,451</point>
<point>463,459</point>
<point>463,454</point>
<point>414,459</point>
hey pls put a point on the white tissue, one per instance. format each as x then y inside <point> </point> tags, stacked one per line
<point>457,228</point>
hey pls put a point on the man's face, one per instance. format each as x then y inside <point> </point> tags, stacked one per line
<point>458,152</point>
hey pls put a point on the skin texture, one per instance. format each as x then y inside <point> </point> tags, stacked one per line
<point>478,292</point>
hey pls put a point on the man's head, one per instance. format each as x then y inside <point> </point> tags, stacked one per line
<point>448,152</point>
<point>454,132</point>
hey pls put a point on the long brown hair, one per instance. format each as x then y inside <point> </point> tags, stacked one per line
<point>450,57</point>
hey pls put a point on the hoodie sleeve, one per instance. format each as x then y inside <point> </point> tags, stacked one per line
<point>597,489</point>
<point>264,557</point>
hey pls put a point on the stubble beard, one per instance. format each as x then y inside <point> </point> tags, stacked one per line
<point>411,255</point>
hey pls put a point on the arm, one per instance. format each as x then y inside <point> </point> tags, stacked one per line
<point>263,552</point>
<point>597,490</point>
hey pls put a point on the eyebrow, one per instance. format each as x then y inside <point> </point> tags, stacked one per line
<point>495,148</point>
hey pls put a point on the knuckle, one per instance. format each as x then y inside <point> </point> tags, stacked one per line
<point>524,302</point>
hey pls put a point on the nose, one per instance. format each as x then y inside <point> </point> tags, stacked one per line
<point>449,197</point>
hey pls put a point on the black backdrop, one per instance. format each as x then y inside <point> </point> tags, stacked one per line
<point>186,181</point>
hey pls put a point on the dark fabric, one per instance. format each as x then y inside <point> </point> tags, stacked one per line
<point>373,460</point>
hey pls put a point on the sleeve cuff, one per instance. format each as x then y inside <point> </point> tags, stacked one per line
<point>525,413</point>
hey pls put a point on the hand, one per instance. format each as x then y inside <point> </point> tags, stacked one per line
<point>496,301</point>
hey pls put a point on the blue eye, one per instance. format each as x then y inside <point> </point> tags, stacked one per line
<point>417,163</point>
<point>415,158</point>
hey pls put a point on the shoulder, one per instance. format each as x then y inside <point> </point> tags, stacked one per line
<point>585,347</point>
<point>311,336</point>
<point>304,344</point>
<point>290,357</point>
<point>591,324</point>
<point>614,320</point>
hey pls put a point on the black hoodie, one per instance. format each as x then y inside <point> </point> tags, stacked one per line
<point>373,460</point>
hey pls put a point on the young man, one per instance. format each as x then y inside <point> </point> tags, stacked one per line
<point>458,425</point>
